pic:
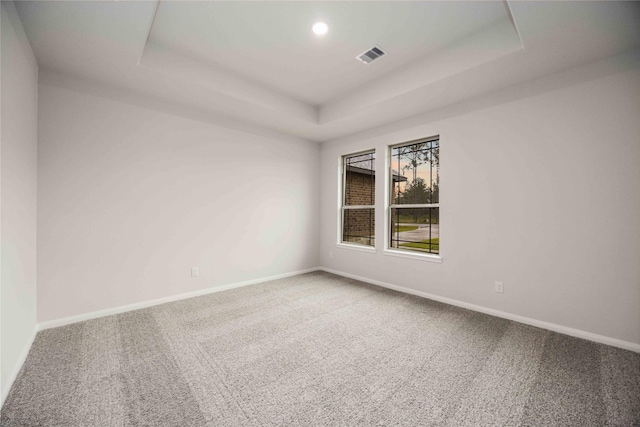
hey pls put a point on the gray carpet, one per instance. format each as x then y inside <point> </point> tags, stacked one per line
<point>318,349</point>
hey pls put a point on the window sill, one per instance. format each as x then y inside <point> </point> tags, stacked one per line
<point>361,248</point>
<point>418,256</point>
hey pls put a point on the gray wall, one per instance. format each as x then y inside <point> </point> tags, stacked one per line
<point>540,189</point>
<point>18,196</point>
<point>131,197</point>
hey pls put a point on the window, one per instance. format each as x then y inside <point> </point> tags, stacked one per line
<point>358,198</point>
<point>414,208</point>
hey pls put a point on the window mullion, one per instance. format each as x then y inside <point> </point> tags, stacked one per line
<point>414,206</point>
<point>359,207</point>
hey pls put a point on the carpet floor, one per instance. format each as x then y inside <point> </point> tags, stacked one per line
<point>318,349</point>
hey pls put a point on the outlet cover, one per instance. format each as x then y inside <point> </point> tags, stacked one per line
<point>499,287</point>
<point>195,271</point>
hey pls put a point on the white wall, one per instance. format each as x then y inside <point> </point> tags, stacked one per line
<point>130,198</point>
<point>18,196</point>
<point>540,189</point>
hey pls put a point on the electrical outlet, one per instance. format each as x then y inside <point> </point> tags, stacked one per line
<point>194,271</point>
<point>499,287</point>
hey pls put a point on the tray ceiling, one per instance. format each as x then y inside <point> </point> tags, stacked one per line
<point>259,62</point>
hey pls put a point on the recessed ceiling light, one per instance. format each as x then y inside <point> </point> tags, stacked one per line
<point>320,28</point>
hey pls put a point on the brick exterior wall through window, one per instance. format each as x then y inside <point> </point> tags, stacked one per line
<point>359,224</point>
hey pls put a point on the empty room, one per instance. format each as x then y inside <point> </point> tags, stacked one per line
<point>310,213</point>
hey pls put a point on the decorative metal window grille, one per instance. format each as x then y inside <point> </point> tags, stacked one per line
<point>414,205</point>
<point>358,198</point>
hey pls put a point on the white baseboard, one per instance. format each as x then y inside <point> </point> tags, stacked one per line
<point>16,369</point>
<point>144,304</point>
<point>526,320</point>
<point>521,319</point>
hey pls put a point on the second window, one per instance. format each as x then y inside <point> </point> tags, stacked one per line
<point>414,205</point>
<point>358,198</point>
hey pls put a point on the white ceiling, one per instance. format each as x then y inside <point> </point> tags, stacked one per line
<point>259,63</point>
<point>272,42</point>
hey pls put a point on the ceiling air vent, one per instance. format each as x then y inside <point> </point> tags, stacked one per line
<point>371,55</point>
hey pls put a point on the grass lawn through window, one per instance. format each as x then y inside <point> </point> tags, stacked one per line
<point>401,228</point>
<point>431,245</point>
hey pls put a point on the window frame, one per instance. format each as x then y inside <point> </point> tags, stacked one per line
<point>342,207</point>
<point>389,206</point>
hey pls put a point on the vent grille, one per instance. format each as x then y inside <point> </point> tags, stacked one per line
<point>371,55</point>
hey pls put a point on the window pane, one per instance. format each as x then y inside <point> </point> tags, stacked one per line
<point>416,229</point>
<point>360,180</point>
<point>416,173</point>
<point>358,226</point>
